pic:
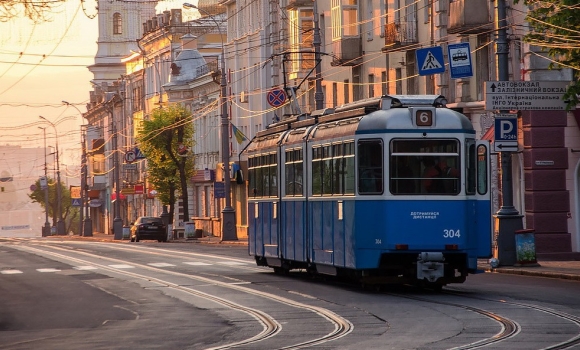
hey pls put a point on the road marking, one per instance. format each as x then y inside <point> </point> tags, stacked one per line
<point>160,264</point>
<point>48,270</point>
<point>121,266</point>
<point>196,263</point>
<point>231,263</point>
<point>83,268</point>
<point>10,272</point>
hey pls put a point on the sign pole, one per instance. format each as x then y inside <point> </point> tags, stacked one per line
<point>507,219</point>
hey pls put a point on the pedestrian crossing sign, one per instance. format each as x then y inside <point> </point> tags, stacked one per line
<point>430,60</point>
<point>76,202</point>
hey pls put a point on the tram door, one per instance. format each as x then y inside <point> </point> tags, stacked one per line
<point>483,196</point>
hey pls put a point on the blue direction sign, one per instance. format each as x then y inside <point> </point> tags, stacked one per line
<point>430,60</point>
<point>276,97</point>
<point>76,202</point>
<point>460,60</point>
<point>219,189</point>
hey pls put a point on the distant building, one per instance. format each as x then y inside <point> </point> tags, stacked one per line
<point>19,169</point>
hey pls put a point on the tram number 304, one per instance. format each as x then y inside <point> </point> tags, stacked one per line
<point>451,233</point>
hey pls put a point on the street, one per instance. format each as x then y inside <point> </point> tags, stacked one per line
<point>61,294</point>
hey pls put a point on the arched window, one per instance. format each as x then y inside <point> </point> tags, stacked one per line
<point>117,23</point>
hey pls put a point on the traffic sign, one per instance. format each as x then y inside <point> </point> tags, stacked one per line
<point>130,156</point>
<point>138,154</point>
<point>76,202</point>
<point>525,95</point>
<point>460,60</point>
<point>430,60</point>
<point>506,133</point>
<point>276,97</point>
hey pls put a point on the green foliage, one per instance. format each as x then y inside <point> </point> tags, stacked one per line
<point>160,138</point>
<point>554,26</point>
<point>69,213</point>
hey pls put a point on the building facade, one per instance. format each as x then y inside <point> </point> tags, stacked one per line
<point>286,58</point>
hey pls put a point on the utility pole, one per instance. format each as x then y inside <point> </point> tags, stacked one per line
<point>508,220</point>
<point>316,42</point>
<point>46,228</point>
<point>86,224</point>
<point>228,213</point>
<point>117,221</point>
<point>60,226</point>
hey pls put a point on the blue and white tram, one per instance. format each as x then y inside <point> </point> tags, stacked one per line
<point>388,190</point>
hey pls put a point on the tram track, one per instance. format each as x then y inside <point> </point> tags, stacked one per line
<point>574,341</point>
<point>270,326</point>
<point>509,328</point>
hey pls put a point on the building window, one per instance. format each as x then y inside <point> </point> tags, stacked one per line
<point>346,91</point>
<point>344,18</point>
<point>301,37</point>
<point>371,85</point>
<point>384,89</point>
<point>117,23</point>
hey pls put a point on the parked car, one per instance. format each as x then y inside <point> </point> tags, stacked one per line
<point>148,227</point>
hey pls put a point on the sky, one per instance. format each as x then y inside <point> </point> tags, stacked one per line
<point>40,66</point>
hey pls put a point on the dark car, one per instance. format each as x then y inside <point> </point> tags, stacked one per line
<point>148,227</point>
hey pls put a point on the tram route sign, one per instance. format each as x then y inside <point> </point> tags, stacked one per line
<point>525,95</point>
<point>460,61</point>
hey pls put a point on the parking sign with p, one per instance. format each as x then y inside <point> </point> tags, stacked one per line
<point>506,133</point>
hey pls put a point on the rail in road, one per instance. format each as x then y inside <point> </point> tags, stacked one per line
<point>271,326</point>
<point>483,322</point>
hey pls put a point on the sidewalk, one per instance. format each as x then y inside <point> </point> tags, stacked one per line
<point>569,270</point>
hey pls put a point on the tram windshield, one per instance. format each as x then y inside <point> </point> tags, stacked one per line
<point>426,167</point>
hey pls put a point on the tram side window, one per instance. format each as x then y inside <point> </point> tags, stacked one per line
<point>370,167</point>
<point>333,169</point>
<point>262,173</point>
<point>471,167</point>
<point>482,169</point>
<point>321,170</point>
<point>343,168</point>
<point>294,173</point>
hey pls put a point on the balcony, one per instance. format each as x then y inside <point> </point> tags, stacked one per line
<point>299,3</point>
<point>469,17</point>
<point>400,34</point>
<point>347,51</point>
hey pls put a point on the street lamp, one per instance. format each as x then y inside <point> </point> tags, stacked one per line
<point>46,228</point>
<point>117,221</point>
<point>228,213</point>
<point>60,227</point>
<point>86,224</point>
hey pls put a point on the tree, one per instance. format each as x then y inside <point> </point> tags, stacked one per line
<point>166,140</point>
<point>70,214</point>
<point>35,10</point>
<point>554,28</point>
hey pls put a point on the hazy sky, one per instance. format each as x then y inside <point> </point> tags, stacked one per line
<point>43,64</point>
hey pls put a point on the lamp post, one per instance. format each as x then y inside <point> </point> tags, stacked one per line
<point>228,213</point>
<point>60,227</point>
<point>117,221</point>
<point>86,224</point>
<point>508,219</point>
<point>46,228</point>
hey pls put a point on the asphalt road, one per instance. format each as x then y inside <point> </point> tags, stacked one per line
<point>121,295</point>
